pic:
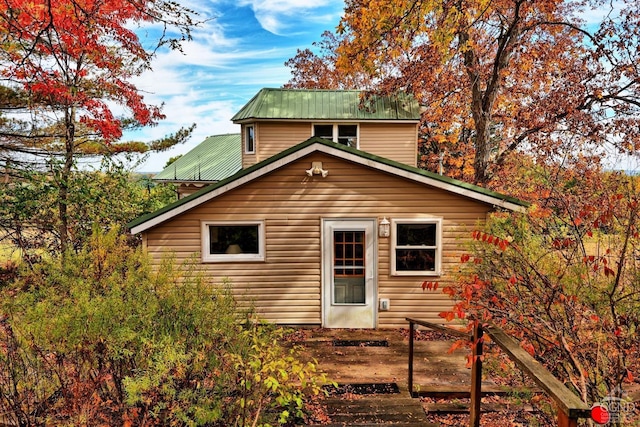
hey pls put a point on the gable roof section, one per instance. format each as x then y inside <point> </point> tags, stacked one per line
<point>328,147</point>
<point>316,104</point>
<point>213,160</point>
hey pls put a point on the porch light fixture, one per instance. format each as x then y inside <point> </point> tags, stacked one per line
<point>384,227</point>
<point>316,169</point>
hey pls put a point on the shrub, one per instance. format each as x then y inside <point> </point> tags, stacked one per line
<point>102,337</point>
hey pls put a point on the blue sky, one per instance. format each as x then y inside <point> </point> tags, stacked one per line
<point>232,56</point>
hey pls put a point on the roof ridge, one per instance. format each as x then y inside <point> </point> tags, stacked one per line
<point>291,89</point>
<point>223,134</point>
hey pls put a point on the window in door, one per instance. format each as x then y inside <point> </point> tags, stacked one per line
<point>349,268</point>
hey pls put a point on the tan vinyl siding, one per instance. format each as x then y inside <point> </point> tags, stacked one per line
<point>286,287</point>
<point>396,141</point>
<point>274,137</point>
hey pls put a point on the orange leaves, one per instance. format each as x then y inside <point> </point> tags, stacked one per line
<point>457,312</point>
<point>489,239</point>
<point>447,315</point>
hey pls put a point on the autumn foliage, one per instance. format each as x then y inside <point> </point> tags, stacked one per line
<point>497,78</point>
<point>566,283</point>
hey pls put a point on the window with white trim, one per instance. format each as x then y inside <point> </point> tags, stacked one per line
<point>249,139</point>
<point>416,246</point>
<point>345,134</point>
<point>230,241</point>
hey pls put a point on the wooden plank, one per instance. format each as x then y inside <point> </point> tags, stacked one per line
<point>463,392</point>
<point>462,408</point>
<point>567,401</point>
<point>382,409</point>
<point>439,328</point>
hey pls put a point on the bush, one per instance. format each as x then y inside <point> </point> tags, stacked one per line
<point>104,338</point>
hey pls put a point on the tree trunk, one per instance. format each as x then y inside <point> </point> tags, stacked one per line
<point>65,173</point>
<point>484,93</point>
<point>483,148</point>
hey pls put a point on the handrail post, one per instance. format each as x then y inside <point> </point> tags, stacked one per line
<point>410,380</point>
<point>476,376</point>
<point>565,421</point>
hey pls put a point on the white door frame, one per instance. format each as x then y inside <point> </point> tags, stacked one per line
<point>335,315</point>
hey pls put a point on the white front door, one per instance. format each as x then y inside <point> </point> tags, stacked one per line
<point>349,293</point>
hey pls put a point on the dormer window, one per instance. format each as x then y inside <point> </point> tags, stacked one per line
<point>341,133</point>
<point>249,140</point>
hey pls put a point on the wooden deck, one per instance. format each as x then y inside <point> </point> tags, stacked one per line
<point>374,364</point>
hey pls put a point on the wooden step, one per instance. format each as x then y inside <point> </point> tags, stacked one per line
<point>350,424</point>
<point>376,410</point>
<point>461,407</point>
<point>462,392</point>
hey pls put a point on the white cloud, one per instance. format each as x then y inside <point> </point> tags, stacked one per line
<point>279,16</point>
<point>594,16</point>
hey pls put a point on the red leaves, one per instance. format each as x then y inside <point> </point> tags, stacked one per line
<point>487,238</point>
<point>528,347</point>
<point>77,55</point>
<point>432,286</point>
<point>597,262</point>
<point>490,239</point>
<point>458,311</point>
<point>563,243</point>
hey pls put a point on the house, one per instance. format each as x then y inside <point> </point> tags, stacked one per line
<point>214,159</point>
<point>329,222</point>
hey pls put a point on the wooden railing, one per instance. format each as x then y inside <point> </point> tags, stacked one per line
<point>570,407</point>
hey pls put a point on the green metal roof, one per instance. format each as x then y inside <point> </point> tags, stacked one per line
<point>214,159</point>
<point>314,104</point>
<point>460,187</point>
